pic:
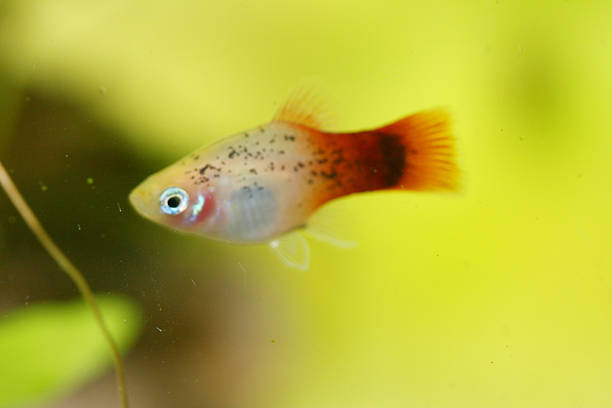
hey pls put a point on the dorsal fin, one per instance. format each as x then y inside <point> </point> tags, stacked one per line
<point>304,107</point>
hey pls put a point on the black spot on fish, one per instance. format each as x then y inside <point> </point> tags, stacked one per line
<point>253,171</point>
<point>248,190</point>
<point>332,174</point>
<point>394,152</point>
<point>203,169</point>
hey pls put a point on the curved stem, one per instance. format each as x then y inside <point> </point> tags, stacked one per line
<point>71,271</point>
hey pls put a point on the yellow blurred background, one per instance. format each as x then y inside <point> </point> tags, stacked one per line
<point>496,297</point>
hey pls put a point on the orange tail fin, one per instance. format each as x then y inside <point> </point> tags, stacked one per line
<point>413,153</point>
<point>429,151</point>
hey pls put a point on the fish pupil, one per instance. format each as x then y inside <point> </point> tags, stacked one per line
<point>174,201</point>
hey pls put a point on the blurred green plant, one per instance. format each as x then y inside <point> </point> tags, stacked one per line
<point>73,273</point>
<point>49,349</point>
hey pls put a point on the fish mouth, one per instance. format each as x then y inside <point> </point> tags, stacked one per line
<point>140,202</point>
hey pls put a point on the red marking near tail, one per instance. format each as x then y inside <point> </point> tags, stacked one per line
<point>413,153</point>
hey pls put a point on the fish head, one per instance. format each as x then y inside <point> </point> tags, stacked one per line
<point>172,198</point>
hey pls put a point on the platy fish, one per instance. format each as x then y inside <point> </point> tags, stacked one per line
<point>260,185</point>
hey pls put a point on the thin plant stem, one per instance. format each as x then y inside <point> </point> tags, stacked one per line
<point>74,274</point>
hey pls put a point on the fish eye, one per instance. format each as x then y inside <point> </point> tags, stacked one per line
<point>174,200</point>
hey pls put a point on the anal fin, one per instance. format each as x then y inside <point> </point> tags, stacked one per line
<point>329,225</point>
<point>330,238</point>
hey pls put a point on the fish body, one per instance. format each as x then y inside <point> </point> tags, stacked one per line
<point>259,184</point>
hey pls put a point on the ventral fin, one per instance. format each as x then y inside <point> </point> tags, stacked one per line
<point>293,250</point>
<point>306,107</point>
